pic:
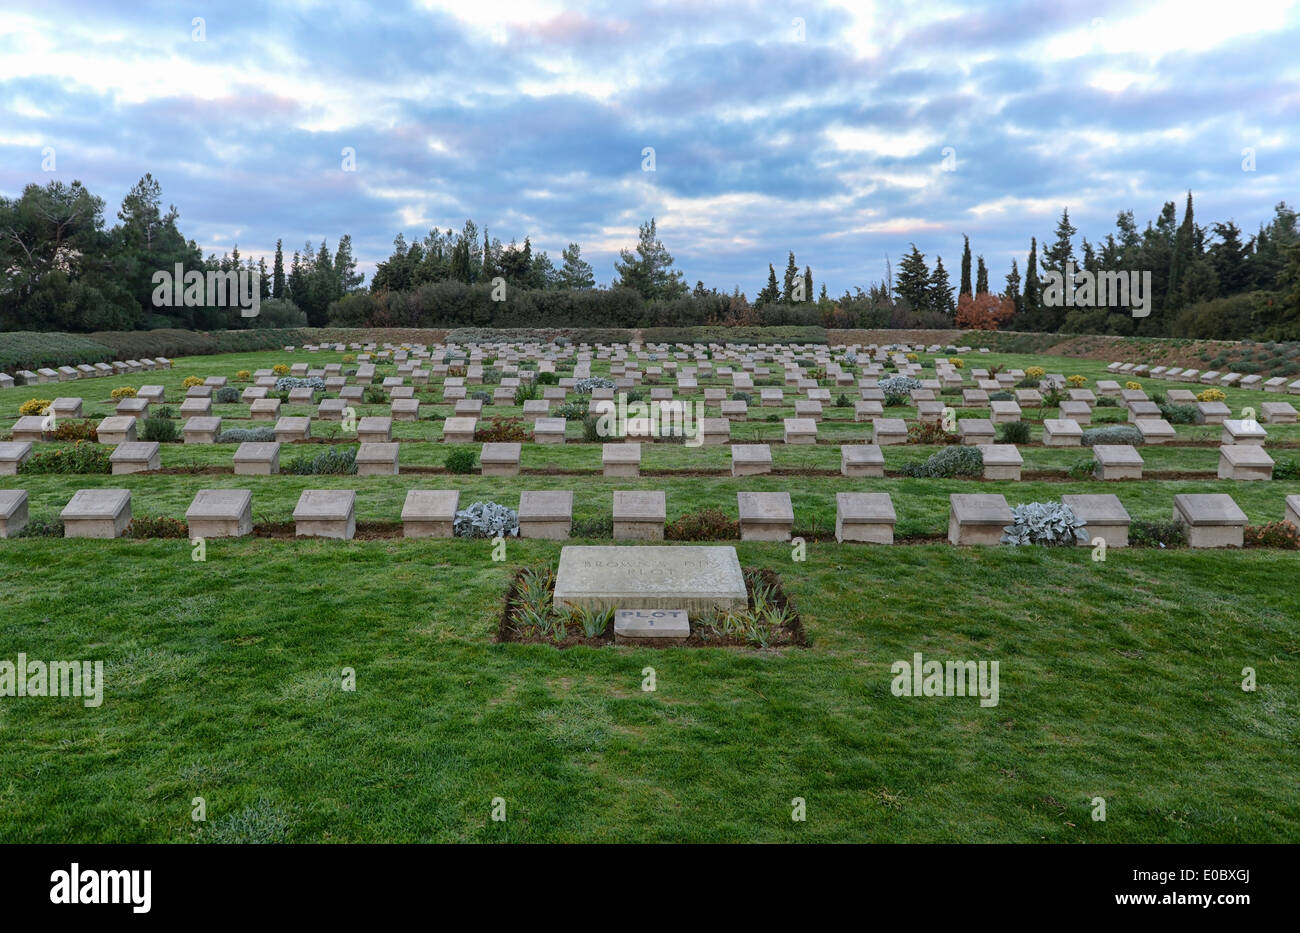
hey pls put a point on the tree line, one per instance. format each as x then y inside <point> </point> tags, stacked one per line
<point>63,268</point>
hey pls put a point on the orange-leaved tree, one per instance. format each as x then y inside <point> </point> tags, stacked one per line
<point>983,311</point>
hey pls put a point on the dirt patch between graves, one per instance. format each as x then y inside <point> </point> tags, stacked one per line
<point>366,531</point>
<point>717,630</point>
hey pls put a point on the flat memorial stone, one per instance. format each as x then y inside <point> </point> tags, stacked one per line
<point>1117,461</point>
<point>651,626</point>
<point>31,428</point>
<point>116,429</point>
<point>862,460</point>
<point>1244,462</point>
<point>136,457</point>
<point>1212,519</point>
<point>1293,510</point>
<point>12,455</point>
<point>430,513</point>
<point>690,577</point>
<point>765,516</point>
<point>545,513</point>
<point>977,518</point>
<point>639,514</point>
<point>864,516</point>
<point>326,513</point>
<point>97,513</point>
<point>13,511</point>
<point>257,458</point>
<point>202,430</point>
<point>750,459</point>
<point>221,513</point>
<point>377,459</point>
<point>1103,515</point>
<point>621,460</point>
<point>500,458</point>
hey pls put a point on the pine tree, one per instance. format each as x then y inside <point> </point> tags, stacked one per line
<point>1062,251</point>
<point>941,290</point>
<point>1013,285</point>
<point>771,292</point>
<point>807,283</point>
<point>965,265</point>
<point>981,278</point>
<point>575,273</point>
<point>649,270</point>
<point>791,273</point>
<point>913,281</point>
<point>1184,255</point>
<point>1031,299</point>
<point>277,271</point>
<point>345,267</point>
<point>1230,259</point>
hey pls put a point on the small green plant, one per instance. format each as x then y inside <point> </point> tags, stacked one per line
<point>160,429</point>
<point>1082,470</point>
<point>81,458</point>
<point>526,392</point>
<point>1168,534</point>
<point>336,461</point>
<point>704,525</point>
<point>371,395</point>
<point>1014,432</point>
<point>461,460</point>
<point>949,462</point>
<point>226,395</point>
<point>42,528</point>
<point>157,526</point>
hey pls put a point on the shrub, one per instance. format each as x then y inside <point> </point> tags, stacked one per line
<point>245,435</point>
<point>336,461</point>
<point>81,457</point>
<point>1275,534</point>
<point>949,462</point>
<point>349,357</point>
<point>1288,468</point>
<point>526,392</point>
<point>35,406</point>
<point>742,397</point>
<point>1107,401</point>
<point>957,362</point>
<point>1035,372</point>
<point>285,383</point>
<point>1083,470</point>
<point>543,379</point>
<point>1077,382</point>
<point>1001,396</point>
<point>1014,432</point>
<point>226,395</point>
<point>1211,395</point>
<point>584,386</point>
<point>1168,534</point>
<point>75,431</point>
<point>591,429</point>
<point>481,396</point>
<point>1178,414</point>
<point>1049,523</point>
<point>486,520</point>
<point>843,401</point>
<point>42,528</point>
<point>571,411</point>
<point>192,381</point>
<point>374,395</point>
<point>1120,434</point>
<point>502,428</point>
<point>704,525</point>
<point>1137,386</point>
<point>493,376</point>
<point>898,389</point>
<point>931,432</point>
<point>602,527</point>
<point>280,369</point>
<point>461,460</point>
<point>160,429</point>
<point>243,375</point>
<point>159,526</point>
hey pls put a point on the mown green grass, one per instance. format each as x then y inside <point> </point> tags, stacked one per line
<point>1119,679</point>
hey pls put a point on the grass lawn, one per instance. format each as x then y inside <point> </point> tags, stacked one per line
<point>223,679</point>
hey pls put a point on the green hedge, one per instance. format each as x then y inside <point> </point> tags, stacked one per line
<point>23,349</point>
<point>720,334</point>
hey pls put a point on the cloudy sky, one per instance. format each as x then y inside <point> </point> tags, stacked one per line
<point>841,131</point>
